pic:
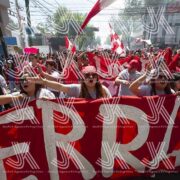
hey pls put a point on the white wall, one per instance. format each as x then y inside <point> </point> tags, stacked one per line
<point>17,35</point>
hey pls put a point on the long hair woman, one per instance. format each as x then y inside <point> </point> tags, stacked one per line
<point>159,85</point>
<point>90,86</point>
<point>34,91</point>
<point>30,90</point>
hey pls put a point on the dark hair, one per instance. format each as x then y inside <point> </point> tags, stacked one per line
<point>99,91</point>
<point>167,89</point>
<point>37,88</point>
<point>176,77</point>
<point>51,63</point>
<point>1,91</point>
<point>34,55</point>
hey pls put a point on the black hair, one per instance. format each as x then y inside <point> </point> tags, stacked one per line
<point>37,87</point>
<point>100,92</point>
<point>35,56</point>
<point>167,89</point>
<point>1,91</point>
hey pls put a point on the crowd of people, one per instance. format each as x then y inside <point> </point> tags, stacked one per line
<point>37,76</point>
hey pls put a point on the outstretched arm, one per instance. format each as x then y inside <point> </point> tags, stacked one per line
<point>52,84</point>
<point>6,99</point>
<point>46,75</point>
<point>49,77</point>
<point>134,87</point>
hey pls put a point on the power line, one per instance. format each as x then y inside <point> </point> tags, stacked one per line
<point>44,11</point>
<point>112,14</point>
<point>41,5</point>
<point>49,4</point>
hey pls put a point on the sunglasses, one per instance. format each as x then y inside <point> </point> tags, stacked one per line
<point>89,75</point>
<point>50,64</point>
<point>23,80</point>
<point>162,77</point>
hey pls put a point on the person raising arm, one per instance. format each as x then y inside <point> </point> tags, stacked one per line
<point>135,86</point>
<point>90,87</point>
<point>126,77</point>
<point>159,84</point>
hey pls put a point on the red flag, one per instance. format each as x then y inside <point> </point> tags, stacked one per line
<point>100,5</point>
<point>71,47</point>
<point>116,44</point>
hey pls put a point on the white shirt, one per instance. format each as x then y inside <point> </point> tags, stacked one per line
<point>125,75</point>
<point>3,84</point>
<point>56,75</point>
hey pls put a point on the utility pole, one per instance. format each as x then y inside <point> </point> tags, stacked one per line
<point>20,24</point>
<point>28,20</point>
<point>3,44</point>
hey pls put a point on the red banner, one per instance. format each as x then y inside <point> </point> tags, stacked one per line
<point>81,139</point>
<point>31,50</point>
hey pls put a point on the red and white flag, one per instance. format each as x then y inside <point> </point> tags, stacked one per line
<point>116,45</point>
<point>71,47</point>
<point>100,5</point>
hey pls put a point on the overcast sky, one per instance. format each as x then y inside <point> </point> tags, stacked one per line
<point>84,6</point>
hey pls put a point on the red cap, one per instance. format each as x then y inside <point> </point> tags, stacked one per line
<point>133,64</point>
<point>88,69</point>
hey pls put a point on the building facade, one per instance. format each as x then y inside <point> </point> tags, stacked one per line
<point>169,34</point>
<point>4,19</point>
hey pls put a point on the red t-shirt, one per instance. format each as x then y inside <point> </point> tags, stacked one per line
<point>36,69</point>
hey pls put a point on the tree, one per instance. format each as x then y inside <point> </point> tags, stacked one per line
<point>42,28</point>
<point>67,23</point>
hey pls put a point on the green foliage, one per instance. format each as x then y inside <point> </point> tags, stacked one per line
<point>61,25</point>
<point>64,18</point>
<point>42,28</point>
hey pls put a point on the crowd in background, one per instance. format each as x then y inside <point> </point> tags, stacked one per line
<point>42,76</point>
